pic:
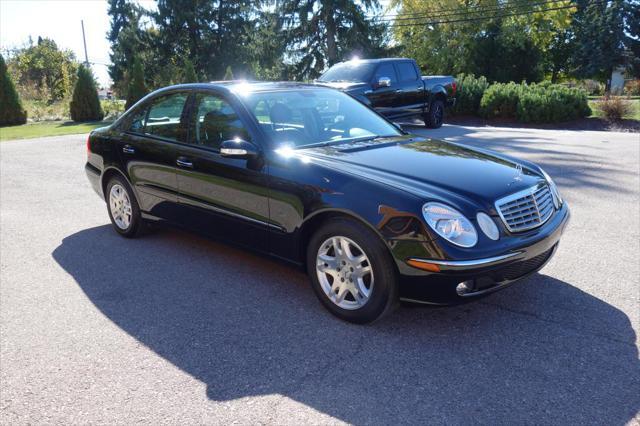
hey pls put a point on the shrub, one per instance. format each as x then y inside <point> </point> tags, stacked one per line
<point>85,105</point>
<point>228,73</point>
<point>11,111</point>
<point>592,87</point>
<point>632,88</point>
<point>615,108</point>
<point>500,100</point>
<point>137,88</point>
<point>189,72</point>
<point>112,108</point>
<point>469,93</point>
<point>536,103</point>
<point>547,103</point>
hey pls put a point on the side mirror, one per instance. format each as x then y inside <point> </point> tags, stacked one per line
<point>384,82</point>
<point>238,148</point>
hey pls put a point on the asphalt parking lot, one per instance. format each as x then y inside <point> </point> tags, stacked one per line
<point>172,328</point>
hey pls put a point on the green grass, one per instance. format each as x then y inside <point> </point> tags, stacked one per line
<point>634,115</point>
<point>48,128</point>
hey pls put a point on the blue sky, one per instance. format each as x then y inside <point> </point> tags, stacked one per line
<point>60,21</point>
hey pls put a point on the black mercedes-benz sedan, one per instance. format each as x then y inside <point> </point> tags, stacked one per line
<point>310,175</point>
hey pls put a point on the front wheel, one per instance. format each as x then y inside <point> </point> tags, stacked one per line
<point>352,271</point>
<point>435,116</point>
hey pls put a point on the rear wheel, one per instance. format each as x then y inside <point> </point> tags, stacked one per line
<point>435,116</point>
<point>123,208</point>
<point>352,271</point>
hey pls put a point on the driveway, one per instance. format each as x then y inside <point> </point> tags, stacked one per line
<point>172,328</point>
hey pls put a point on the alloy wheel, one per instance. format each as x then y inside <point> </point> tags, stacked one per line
<point>120,206</point>
<point>344,272</point>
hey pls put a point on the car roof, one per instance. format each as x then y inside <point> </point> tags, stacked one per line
<point>243,86</point>
<point>379,60</point>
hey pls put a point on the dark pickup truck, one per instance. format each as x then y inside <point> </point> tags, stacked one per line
<point>394,88</point>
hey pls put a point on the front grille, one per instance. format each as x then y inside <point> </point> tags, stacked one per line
<point>519,269</point>
<point>526,209</point>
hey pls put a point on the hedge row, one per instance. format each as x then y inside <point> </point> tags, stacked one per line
<point>528,103</point>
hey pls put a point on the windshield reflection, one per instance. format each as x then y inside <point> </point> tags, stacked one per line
<point>315,116</point>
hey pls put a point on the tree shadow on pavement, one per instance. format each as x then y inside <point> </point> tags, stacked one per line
<point>540,351</point>
<point>590,168</point>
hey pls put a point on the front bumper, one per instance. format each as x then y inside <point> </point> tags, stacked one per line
<point>454,281</point>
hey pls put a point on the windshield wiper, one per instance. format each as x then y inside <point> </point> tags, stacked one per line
<point>340,141</point>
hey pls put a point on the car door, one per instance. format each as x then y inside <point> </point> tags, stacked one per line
<point>410,89</point>
<point>382,97</point>
<point>147,149</point>
<point>224,197</point>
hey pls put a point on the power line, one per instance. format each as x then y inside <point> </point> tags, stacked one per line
<point>464,12</point>
<point>480,18</point>
<point>478,7</point>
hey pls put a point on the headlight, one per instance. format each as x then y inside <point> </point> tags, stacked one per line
<point>450,224</point>
<point>555,194</point>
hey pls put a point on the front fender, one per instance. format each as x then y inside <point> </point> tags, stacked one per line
<point>302,190</point>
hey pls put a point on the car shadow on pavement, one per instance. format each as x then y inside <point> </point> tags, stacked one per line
<point>540,351</point>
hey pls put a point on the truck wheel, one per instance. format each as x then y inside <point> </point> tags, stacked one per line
<point>433,118</point>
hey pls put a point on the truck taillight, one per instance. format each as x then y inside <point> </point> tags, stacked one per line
<point>454,87</point>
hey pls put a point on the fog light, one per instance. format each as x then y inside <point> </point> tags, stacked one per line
<point>464,288</point>
<point>488,226</point>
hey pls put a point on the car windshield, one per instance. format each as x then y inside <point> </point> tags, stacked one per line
<point>352,71</point>
<point>311,116</point>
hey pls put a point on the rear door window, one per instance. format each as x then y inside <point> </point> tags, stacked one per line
<point>406,71</point>
<point>165,117</point>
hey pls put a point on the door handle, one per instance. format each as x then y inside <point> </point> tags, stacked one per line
<point>183,162</point>
<point>399,91</point>
<point>128,149</point>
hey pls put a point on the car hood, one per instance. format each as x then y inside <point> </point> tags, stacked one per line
<point>432,169</point>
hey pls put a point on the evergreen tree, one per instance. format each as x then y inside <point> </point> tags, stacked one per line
<point>321,33</point>
<point>228,73</point>
<point>189,72</point>
<point>127,40</point>
<point>599,38</point>
<point>137,88</point>
<point>11,111</point>
<point>85,105</point>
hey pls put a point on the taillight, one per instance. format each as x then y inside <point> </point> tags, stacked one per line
<point>88,145</point>
<point>454,87</point>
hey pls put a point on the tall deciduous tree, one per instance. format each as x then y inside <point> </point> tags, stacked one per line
<point>11,111</point>
<point>321,33</point>
<point>501,39</point>
<point>85,105</point>
<point>137,87</point>
<point>50,69</point>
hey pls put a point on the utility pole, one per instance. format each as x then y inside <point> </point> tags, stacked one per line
<point>84,40</point>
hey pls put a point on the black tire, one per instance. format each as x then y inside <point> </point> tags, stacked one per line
<point>434,118</point>
<point>384,294</point>
<point>135,224</point>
